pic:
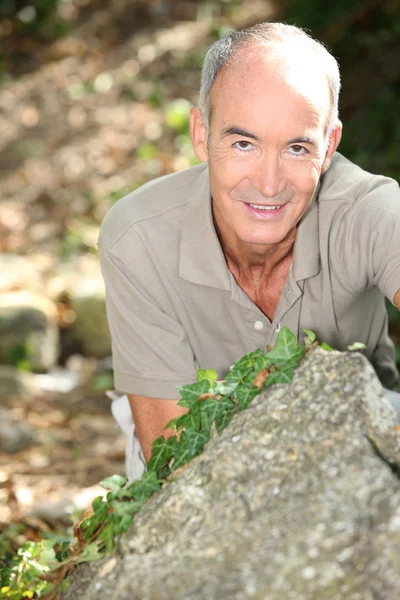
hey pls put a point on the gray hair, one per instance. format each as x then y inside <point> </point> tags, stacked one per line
<point>272,35</point>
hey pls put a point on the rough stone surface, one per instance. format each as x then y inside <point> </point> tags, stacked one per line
<point>298,499</point>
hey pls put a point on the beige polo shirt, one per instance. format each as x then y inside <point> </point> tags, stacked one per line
<point>174,307</point>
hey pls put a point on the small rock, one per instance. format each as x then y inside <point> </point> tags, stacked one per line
<point>16,384</point>
<point>14,436</point>
<point>28,323</point>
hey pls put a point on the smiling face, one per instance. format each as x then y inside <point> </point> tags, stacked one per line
<point>267,147</point>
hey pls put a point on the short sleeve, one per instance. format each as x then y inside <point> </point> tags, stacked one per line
<point>151,352</point>
<point>369,240</point>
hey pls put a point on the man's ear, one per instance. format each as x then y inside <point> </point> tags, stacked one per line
<point>333,143</point>
<point>198,133</point>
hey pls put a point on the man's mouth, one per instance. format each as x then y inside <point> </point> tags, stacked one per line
<point>261,207</point>
<point>265,212</point>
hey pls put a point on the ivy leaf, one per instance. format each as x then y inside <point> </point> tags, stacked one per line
<point>182,452</point>
<point>100,512</point>
<point>286,348</point>
<point>223,420</point>
<point>356,346</point>
<point>245,394</point>
<point>225,388</point>
<point>90,552</point>
<point>177,423</point>
<point>243,367</point>
<point>309,337</point>
<point>284,375</point>
<point>261,362</point>
<point>327,347</point>
<point>107,535</point>
<point>162,451</point>
<point>211,409</point>
<point>145,487</point>
<point>113,483</point>
<point>196,440</point>
<point>191,392</point>
<point>123,524</point>
<point>207,375</point>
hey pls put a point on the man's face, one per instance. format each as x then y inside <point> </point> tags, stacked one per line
<point>266,150</point>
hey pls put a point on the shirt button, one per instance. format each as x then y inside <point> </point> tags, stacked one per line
<point>258,325</point>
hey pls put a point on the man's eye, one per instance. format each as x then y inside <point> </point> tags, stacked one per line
<point>243,145</point>
<point>298,150</point>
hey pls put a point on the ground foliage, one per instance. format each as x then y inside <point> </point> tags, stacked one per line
<point>39,569</point>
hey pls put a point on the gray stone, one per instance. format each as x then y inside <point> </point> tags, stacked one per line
<point>16,384</point>
<point>298,499</point>
<point>29,321</point>
<point>14,436</point>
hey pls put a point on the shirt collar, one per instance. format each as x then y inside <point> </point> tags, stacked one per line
<point>201,258</point>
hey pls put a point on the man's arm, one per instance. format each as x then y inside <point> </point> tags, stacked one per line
<point>396,300</point>
<point>150,416</point>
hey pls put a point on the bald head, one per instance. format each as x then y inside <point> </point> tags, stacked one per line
<point>287,52</point>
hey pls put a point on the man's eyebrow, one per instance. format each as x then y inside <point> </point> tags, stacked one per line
<point>241,132</point>
<point>303,140</point>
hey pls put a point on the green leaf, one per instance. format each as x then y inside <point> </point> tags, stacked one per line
<point>113,483</point>
<point>310,336</point>
<point>128,507</point>
<point>176,423</point>
<point>196,440</point>
<point>191,392</point>
<point>223,420</point>
<point>287,348</point>
<point>209,375</point>
<point>245,393</point>
<point>107,535</point>
<point>146,486</point>
<point>161,453</point>
<point>284,375</point>
<point>211,409</point>
<point>182,453</point>
<point>327,347</point>
<point>123,525</point>
<point>90,552</point>
<point>356,346</point>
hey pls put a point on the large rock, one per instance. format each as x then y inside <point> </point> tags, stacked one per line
<point>28,328</point>
<point>298,499</point>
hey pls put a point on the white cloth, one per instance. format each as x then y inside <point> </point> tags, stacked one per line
<point>135,463</point>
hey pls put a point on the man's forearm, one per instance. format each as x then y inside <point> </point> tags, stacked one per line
<point>396,300</point>
<point>150,416</point>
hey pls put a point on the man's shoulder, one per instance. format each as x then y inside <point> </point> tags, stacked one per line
<point>156,199</point>
<point>347,182</point>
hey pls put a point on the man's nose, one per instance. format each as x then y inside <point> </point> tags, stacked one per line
<point>270,176</point>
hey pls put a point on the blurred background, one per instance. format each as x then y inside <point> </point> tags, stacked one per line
<point>94,101</point>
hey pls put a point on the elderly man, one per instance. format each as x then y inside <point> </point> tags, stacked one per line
<point>273,228</point>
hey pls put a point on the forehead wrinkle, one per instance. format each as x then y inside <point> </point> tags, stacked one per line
<point>279,65</point>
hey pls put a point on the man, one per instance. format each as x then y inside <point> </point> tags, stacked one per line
<point>273,228</point>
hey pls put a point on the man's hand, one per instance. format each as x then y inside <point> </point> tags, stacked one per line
<point>150,416</point>
<point>396,300</point>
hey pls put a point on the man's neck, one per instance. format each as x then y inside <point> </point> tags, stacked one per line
<point>247,261</point>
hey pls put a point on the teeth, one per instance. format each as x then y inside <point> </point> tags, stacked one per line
<point>259,207</point>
